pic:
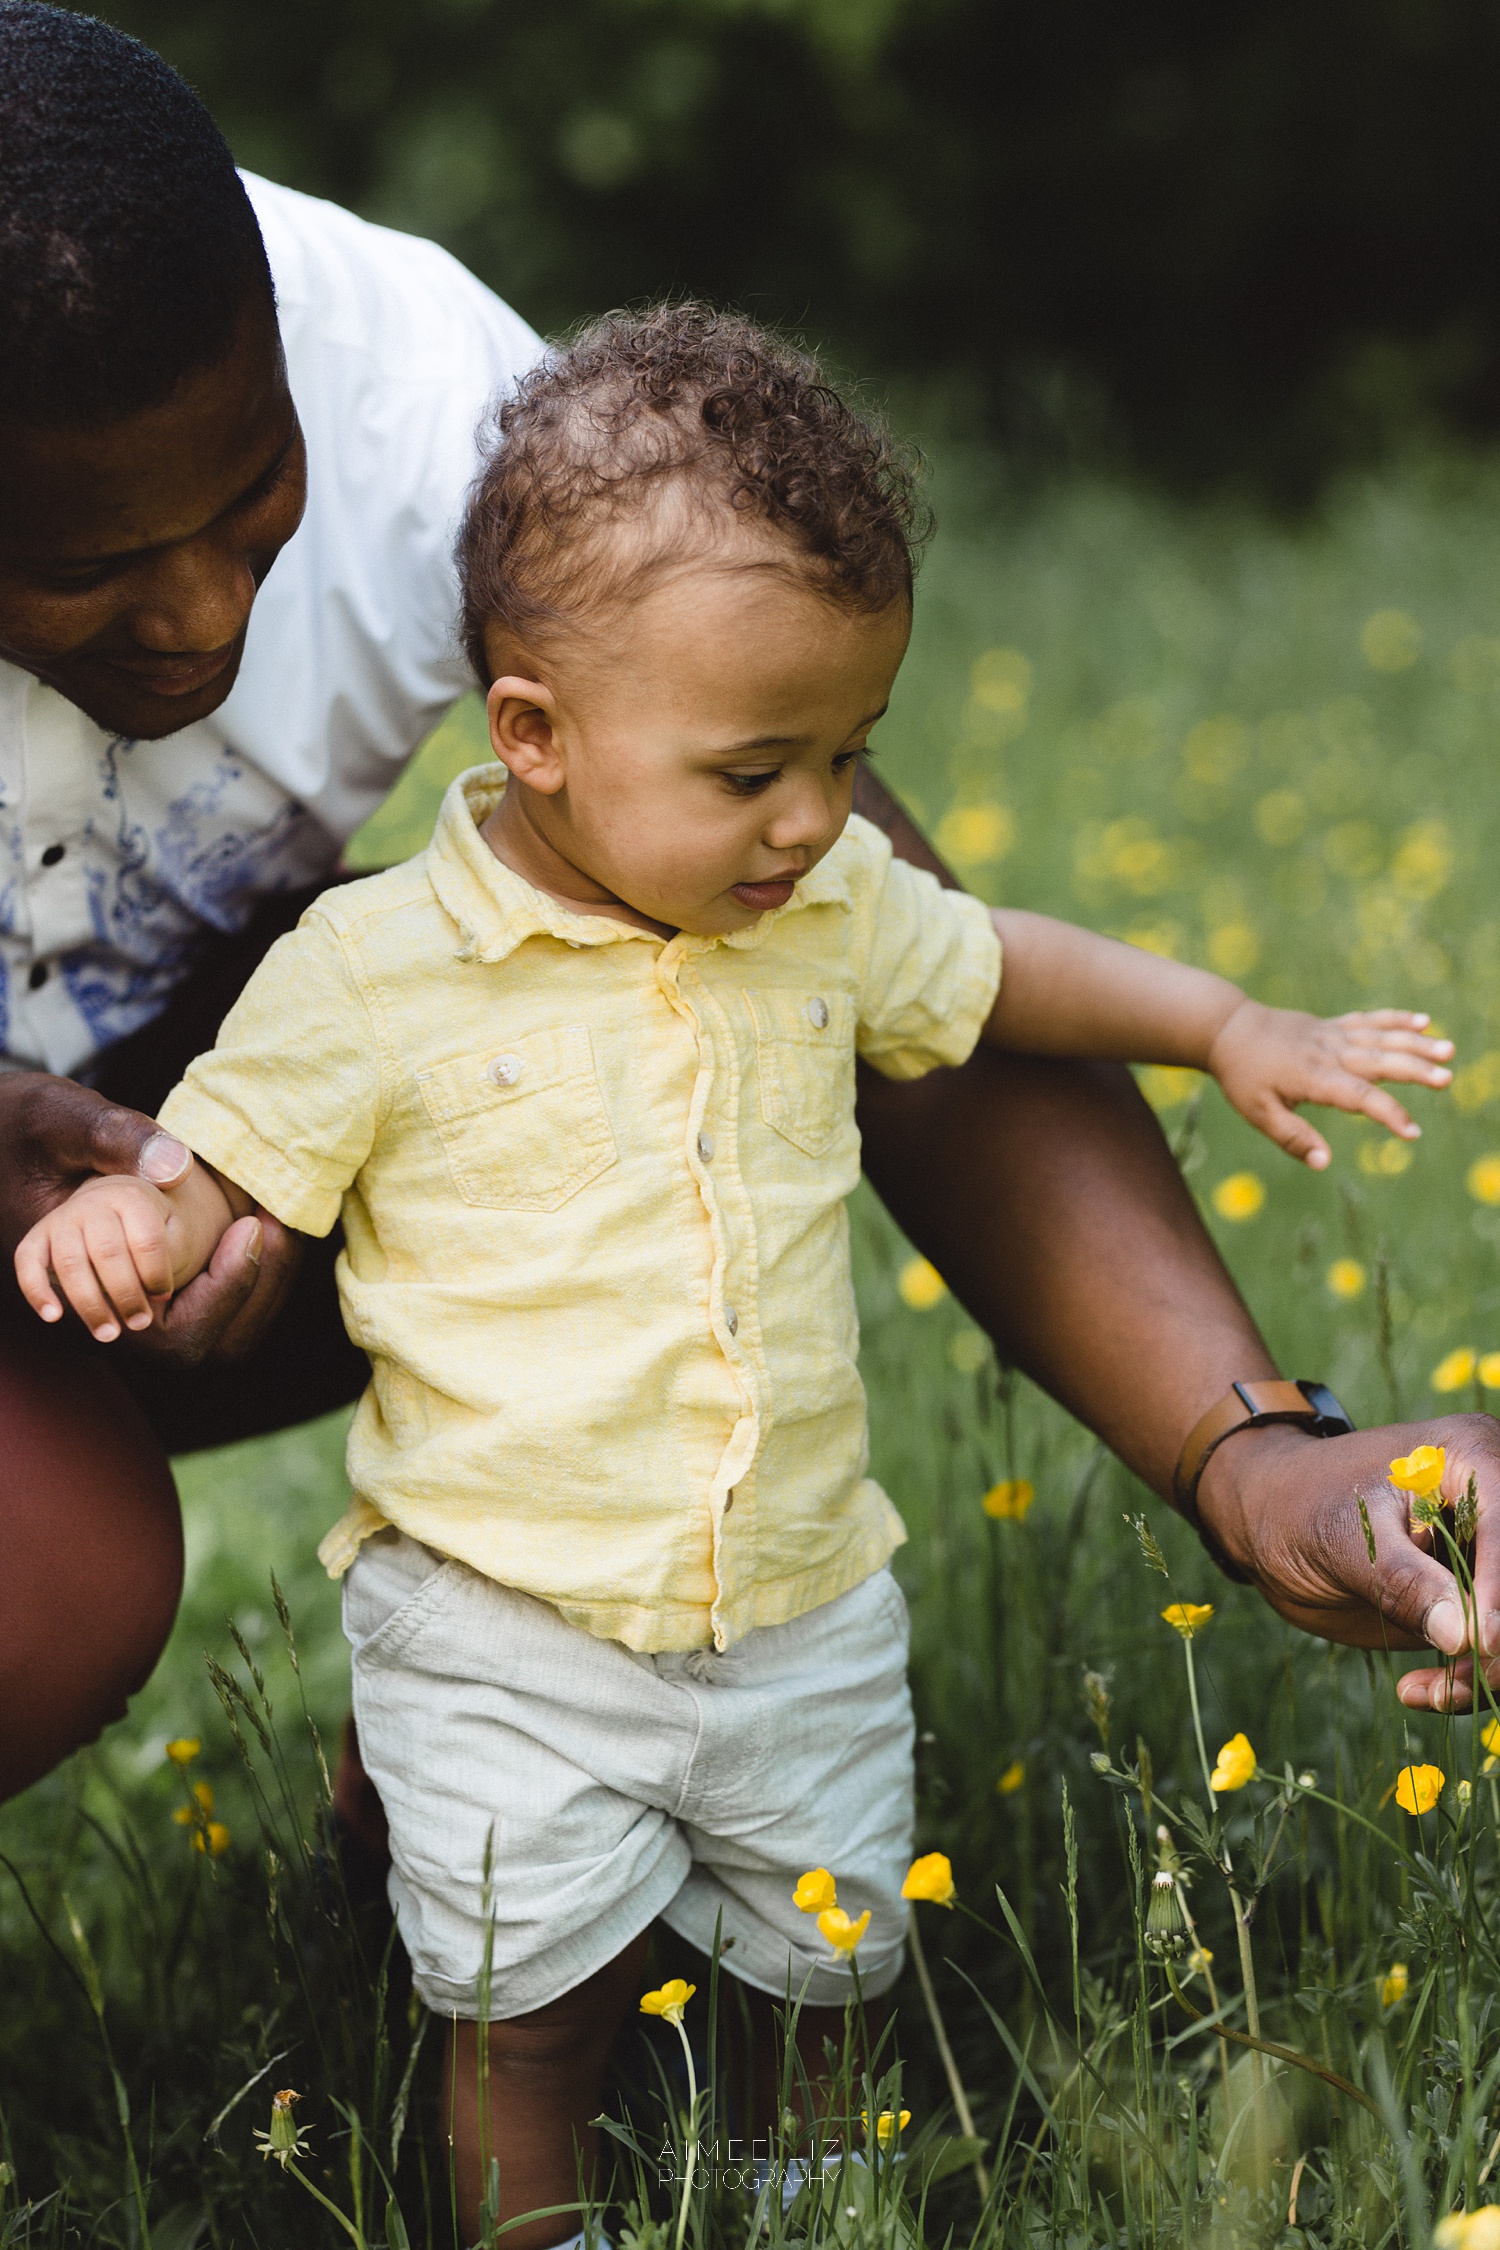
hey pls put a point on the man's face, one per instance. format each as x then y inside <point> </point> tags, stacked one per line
<point>131,551</point>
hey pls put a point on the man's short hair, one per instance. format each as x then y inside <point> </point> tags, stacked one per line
<point>128,246</point>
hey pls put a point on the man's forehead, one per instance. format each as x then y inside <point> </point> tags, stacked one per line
<point>84,492</point>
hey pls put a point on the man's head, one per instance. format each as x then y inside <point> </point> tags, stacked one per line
<point>687,572</point>
<point>150,461</point>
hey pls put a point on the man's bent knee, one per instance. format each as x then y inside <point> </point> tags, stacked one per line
<point>91,1532</point>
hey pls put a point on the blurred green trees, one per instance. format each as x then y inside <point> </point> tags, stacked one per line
<point>1249,236</point>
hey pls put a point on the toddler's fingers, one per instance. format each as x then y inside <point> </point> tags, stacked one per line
<point>1293,1133</point>
<point>1387,1019</point>
<point>1390,1058</point>
<point>73,1267</point>
<point>34,1275</point>
<point>146,1238</point>
<point>115,1265</point>
<point>1357,1096</point>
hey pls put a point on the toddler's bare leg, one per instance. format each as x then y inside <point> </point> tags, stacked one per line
<point>546,2079</point>
<point>758,2074</point>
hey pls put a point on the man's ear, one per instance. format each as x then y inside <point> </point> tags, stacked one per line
<point>522,716</point>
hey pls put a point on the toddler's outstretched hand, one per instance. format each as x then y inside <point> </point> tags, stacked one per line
<point>1268,1060</point>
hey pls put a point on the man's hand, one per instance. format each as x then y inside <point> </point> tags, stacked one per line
<point>55,1134</point>
<point>1285,1507</point>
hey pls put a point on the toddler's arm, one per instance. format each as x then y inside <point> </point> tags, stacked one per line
<point>1066,991</point>
<point>118,1246</point>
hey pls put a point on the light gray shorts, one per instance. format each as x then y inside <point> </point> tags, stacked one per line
<point>618,1787</point>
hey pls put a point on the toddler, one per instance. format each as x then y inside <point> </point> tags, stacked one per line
<point>579,1082</point>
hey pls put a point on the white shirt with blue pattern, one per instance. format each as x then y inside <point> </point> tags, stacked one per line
<point>118,859</point>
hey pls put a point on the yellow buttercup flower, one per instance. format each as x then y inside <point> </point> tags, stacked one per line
<point>1346,1278</point>
<point>921,1285</point>
<point>1239,1197</point>
<point>1469,2230</point>
<point>1187,1618</point>
<point>212,1838</point>
<point>887,2124</point>
<point>203,1798</point>
<point>842,1934</point>
<point>814,1891</point>
<point>1234,1765</point>
<point>1488,1370</point>
<point>930,1878</point>
<point>1008,1502</point>
<point>670,2001</point>
<point>1420,1471</point>
<point>1452,1373</point>
<point>1483,1179</point>
<point>1418,1788</point>
<point>1490,1737</point>
<point>1393,1984</point>
<point>184,1750</point>
<point>1012,1778</point>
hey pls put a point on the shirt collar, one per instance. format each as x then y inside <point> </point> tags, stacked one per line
<point>496,910</point>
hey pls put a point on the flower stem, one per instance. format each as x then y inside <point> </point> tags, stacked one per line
<point>692,2153</point>
<point>343,2218</point>
<point>950,2067</point>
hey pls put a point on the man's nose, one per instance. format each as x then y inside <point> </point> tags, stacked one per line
<point>194,598</point>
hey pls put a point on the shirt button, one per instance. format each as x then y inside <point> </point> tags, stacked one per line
<point>505,1069</point>
<point>705,1148</point>
<point>53,854</point>
<point>38,976</point>
<point>817,1014</point>
<point>731,1320</point>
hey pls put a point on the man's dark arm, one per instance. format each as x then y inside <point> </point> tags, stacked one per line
<point>1046,1196</point>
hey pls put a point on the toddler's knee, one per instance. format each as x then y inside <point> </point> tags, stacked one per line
<point>573,2031</point>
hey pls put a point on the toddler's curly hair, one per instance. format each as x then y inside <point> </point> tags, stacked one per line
<point>650,424</point>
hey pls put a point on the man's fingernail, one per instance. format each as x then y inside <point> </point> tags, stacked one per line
<point>1489,1631</point>
<point>253,1241</point>
<point>1445,1627</point>
<point>163,1159</point>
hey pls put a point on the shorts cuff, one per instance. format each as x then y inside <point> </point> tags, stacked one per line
<point>518,1987</point>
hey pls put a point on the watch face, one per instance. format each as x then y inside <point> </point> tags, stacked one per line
<point>1327,1408</point>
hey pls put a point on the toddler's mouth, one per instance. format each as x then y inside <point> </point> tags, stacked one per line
<point>762,897</point>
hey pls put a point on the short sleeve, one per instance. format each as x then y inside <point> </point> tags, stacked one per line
<point>932,967</point>
<point>285,1104</point>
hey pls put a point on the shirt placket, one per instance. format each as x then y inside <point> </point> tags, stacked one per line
<point>712,1151</point>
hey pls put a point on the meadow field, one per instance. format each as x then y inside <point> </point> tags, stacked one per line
<point>1269,746</point>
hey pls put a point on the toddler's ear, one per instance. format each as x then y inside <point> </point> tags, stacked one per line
<point>521,715</point>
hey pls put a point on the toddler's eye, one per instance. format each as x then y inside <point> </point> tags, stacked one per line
<point>751,784</point>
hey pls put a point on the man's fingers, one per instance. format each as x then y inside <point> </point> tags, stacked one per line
<point>164,1160</point>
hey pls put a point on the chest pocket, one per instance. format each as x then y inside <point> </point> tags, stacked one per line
<point>804,1046</point>
<point>523,1125</point>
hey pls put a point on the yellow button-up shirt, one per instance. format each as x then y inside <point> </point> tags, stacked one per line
<point>592,1183</point>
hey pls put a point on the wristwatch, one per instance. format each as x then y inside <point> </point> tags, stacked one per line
<point>1249,1406</point>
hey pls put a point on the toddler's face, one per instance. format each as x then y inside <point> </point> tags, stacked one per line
<point>686,764</point>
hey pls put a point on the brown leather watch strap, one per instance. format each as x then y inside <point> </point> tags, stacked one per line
<point>1248,1406</point>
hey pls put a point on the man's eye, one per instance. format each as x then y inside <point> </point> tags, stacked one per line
<point>751,784</point>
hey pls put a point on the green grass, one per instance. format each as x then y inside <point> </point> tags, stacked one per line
<point>1166,722</point>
